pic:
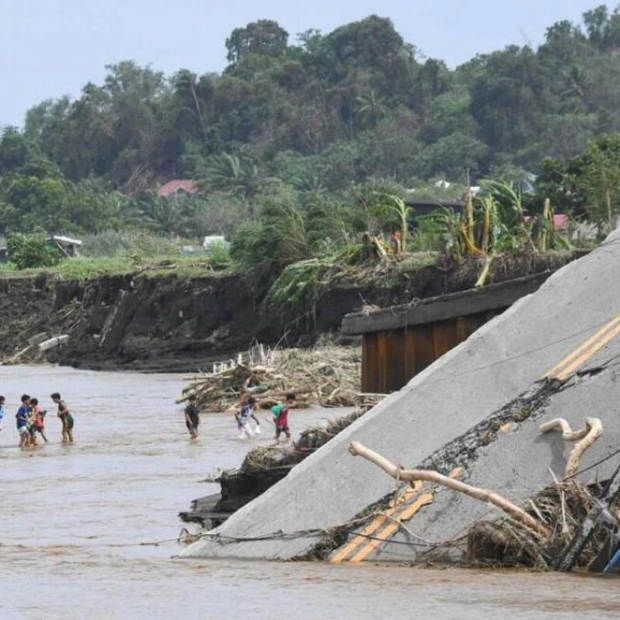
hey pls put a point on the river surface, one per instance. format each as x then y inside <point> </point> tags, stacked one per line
<point>78,525</point>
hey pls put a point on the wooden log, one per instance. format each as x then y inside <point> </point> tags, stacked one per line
<point>484,495</point>
<point>50,343</point>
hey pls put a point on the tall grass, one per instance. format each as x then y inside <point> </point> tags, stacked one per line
<point>127,243</point>
<point>117,253</point>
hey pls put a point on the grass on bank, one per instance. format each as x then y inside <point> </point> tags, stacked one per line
<point>84,268</point>
<point>113,253</point>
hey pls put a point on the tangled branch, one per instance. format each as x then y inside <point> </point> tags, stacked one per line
<point>585,437</point>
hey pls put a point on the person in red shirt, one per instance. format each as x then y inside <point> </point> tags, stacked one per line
<point>39,420</point>
<point>280,415</point>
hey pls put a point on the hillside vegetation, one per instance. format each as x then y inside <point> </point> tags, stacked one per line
<point>299,147</point>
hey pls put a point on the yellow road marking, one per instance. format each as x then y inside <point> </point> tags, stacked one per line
<point>568,371</point>
<point>374,525</point>
<point>390,529</point>
<point>582,353</point>
<point>406,511</point>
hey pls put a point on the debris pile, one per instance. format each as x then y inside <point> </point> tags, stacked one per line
<point>266,457</point>
<point>563,507</point>
<point>327,375</point>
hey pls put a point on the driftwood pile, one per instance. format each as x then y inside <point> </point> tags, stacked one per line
<point>534,536</point>
<point>562,506</point>
<point>328,376</point>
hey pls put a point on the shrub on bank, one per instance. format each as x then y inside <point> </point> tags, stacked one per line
<point>31,251</point>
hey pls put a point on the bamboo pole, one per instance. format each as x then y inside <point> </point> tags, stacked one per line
<point>484,495</point>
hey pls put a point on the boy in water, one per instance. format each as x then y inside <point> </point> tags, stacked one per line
<point>280,415</point>
<point>1,410</point>
<point>243,418</point>
<point>192,417</point>
<point>21,420</point>
<point>65,417</point>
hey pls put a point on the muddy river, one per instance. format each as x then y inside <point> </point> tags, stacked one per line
<point>89,530</point>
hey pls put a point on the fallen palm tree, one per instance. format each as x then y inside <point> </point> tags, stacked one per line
<point>328,376</point>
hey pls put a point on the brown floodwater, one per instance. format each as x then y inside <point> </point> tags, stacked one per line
<point>78,526</point>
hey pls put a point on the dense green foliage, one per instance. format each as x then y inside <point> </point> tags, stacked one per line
<point>298,147</point>
<point>28,251</point>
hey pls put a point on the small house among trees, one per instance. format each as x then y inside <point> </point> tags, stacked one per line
<point>177,188</point>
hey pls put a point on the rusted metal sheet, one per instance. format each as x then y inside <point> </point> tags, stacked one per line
<point>493,297</point>
<point>401,341</point>
<point>391,358</point>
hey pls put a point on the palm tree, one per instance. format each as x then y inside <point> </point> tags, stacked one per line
<point>371,107</point>
<point>238,174</point>
<point>167,216</point>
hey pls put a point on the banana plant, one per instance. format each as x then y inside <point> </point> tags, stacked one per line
<point>392,207</point>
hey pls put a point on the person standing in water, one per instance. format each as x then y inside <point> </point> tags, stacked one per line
<point>243,416</point>
<point>65,417</point>
<point>21,420</point>
<point>1,411</point>
<point>39,420</point>
<point>280,416</point>
<point>192,417</point>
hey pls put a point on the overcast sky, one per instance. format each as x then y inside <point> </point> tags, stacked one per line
<point>50,48</point>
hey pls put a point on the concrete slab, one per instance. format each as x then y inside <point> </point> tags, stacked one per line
<point>502,360</point>
<point>522,461</point>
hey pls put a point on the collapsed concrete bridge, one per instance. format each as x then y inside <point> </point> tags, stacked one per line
<point>474,413</point>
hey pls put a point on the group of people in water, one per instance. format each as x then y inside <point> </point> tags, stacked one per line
<point>30,420</point>
<point>248,425</point>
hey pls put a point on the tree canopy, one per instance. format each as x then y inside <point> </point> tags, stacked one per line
<point>313,118</point>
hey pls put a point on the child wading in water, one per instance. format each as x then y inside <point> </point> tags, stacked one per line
<point>38,424</point>
<point>243,416</point>
<point>192,417</point>
<point>280,415</point>
<point>65,417</point>
<point>21,420</point>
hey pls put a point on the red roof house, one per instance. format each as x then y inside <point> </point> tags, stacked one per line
<point>171,188</point>
<point>560,221</point>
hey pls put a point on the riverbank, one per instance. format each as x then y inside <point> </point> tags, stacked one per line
<point>164,320</point>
